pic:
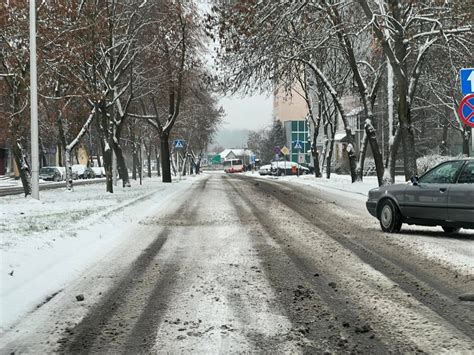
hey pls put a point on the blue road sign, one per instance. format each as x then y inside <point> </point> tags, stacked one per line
<point>467,81</point>
<point>179,143</point>
<point>297,144</point>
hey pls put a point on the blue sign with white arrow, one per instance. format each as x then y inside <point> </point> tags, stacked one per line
<point>467,81</point>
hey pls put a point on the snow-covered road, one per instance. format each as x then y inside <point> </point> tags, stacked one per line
<point>222,264</point>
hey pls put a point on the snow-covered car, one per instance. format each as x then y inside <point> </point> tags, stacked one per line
<point>50,173</point>
<point>265,169</point>
<point>99,171</point>
<point>280,168</point>
<point>82,172</point>
<point>443,196</point>
<point>62,170</point>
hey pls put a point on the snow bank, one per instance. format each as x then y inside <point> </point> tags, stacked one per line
<point>45,244</point>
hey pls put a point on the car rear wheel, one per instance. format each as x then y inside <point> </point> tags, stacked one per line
<point>451,230</point>
<point>390,217</point>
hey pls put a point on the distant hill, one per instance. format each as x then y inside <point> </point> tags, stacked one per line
<point>231,138</point>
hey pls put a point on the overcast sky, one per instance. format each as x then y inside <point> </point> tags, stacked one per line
<point>247,113</point>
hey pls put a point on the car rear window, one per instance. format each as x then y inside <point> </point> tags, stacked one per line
<point>467,175</point>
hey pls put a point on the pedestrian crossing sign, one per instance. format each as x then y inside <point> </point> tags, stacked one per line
<point>298,145</point>
<point>179,143</point>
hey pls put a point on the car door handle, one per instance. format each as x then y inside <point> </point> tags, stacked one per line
<point>442,190</point>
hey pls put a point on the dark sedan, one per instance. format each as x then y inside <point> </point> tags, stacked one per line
<point>50,173</point>
<point>443,196</point>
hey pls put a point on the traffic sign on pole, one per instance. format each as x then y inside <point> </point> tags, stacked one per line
<point>277,150</point>
<point>285,150</point>
<point>297,145</point>
<point>467,81</point>
<point>466,110</point>
<point>179,143</point>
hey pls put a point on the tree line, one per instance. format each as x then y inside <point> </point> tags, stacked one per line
<point>122,73</point>
<point>400,59</point>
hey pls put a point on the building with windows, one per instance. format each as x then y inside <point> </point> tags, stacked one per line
<point>298,131</point>
<point>291,110</point>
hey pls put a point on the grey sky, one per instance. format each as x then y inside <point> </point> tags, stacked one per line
<point>251,112</point>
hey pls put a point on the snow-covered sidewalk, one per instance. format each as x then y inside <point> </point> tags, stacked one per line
<point>47,243</point>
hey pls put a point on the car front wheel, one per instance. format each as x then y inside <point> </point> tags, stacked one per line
<point>451,230</point>
<point>390,217</point>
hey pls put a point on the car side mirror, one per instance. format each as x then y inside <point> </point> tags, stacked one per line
<point>414,180</point>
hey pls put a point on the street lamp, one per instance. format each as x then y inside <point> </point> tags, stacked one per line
<point>34,105</point>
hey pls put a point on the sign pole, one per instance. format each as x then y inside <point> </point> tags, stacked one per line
<point>34,105</point>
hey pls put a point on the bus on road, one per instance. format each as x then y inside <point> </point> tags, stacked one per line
<point>233,166</point>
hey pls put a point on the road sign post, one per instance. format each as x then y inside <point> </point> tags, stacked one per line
<point>178,144</point>
<point>298,147</point>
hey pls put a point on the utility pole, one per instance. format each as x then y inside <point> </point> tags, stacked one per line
<point>34,105</point>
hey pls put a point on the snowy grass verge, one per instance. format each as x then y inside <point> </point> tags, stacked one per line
<point>46,244</point>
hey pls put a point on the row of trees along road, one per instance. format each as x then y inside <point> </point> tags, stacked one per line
<point>401,56</point>
<point>118,72</point>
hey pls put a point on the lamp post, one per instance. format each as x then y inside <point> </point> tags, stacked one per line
<point>34,105</point>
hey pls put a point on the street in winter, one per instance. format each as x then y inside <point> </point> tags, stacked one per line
<point>215,177</point>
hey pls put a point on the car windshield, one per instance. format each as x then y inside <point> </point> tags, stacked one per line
<point>46,171</point>
<point>443,174</point>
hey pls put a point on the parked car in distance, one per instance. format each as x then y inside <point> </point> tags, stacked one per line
<point>99,171</point>
<point>280,168</point>
<point>50,173</point>
<point>82,172</point>
<point>443,196</point>
<point>265,169</point>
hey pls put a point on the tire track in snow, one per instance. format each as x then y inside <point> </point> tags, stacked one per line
<point>127,317</point>
<point>317,318</point>
<point>348,235</point>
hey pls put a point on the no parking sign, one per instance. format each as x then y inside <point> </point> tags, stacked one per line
<point>466,110</point>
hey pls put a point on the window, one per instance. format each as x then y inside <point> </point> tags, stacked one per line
<point>467,175</point>
<point>443,174</point>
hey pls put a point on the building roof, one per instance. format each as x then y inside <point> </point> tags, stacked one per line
<point>238,152</point>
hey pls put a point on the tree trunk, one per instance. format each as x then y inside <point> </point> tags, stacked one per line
<point>329,157</point>
<point>443,146</point>
<point>69,182</point>
<point>109,174</point>
<point>374,147</point>
<point>466,134</point>
<point>134,162</point>
<point>148,158</point>
<point>60,154</point>
<point>157,157</point>
<point>362,153</point>
<point>165,157</point>
<point>22,165</point>
<point>351,154</point>
<point>121,165</point>
<point>389,174</point>
<point>314,150</point>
